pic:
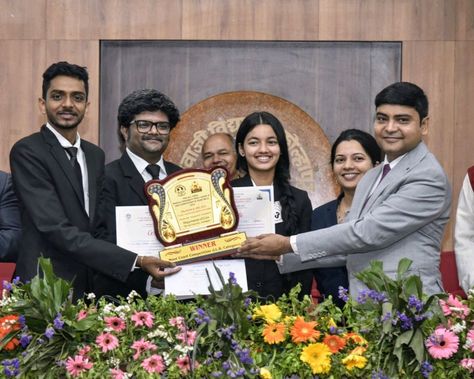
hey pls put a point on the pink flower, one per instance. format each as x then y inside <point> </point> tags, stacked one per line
<point>468,364</point>
<point>140,346</point>
<point>154,364</point>
<point>115,323</point>
<point>453,305</point>
<point>184,364</point>
<point>84,351</point>
<point>442,343</point>
<point>116,373</point>
<point>106,341</point>
<point>143,318</point>
<point>470,337</point>
<point>81,315</point>
<point>75,366</point>
<point>178,322</point>
<point>187,337</point>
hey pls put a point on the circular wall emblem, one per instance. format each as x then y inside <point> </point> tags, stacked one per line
<point>309,147</point>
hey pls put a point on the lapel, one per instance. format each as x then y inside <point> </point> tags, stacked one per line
<point>58,153</point>
<point>397,174</point>
<point>171,167</point>
<point>91,175</point>
<point>134,178</point>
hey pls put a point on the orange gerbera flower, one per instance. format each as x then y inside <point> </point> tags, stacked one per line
<point>9,324</point>
<point>356,338</point>
<point>303,331</point>
<point>335,343</point>
<point>274,333</point>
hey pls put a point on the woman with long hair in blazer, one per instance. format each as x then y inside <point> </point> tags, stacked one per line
<point>263,157</point>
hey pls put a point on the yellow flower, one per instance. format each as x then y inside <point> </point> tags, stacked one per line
<point>359,350</point>
<point>353,360</point>
<point>265,373</point>
<point>274,333</point>
<point>317,355</point>
<point>271,313</point>
<point>303,331</point>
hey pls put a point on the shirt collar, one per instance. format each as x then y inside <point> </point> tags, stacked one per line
<point>141,164</point>
<point>63,141</point>
<point>394,162</point>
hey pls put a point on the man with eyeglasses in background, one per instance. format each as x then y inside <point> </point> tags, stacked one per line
<point>145,119</point>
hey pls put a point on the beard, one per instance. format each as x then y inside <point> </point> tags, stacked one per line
<point>59,123</point>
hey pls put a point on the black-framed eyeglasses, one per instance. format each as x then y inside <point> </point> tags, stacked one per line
<point>144,126</point>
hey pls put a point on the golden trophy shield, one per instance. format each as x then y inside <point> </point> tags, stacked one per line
<point>194,215</point>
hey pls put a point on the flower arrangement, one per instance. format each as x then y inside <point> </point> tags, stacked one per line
<point>290,337</point>
<point>451,341</point>
<point>390,331</point>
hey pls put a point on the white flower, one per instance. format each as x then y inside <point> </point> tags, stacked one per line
<point>458,327</point>
<point>468,344</point>
<point>91,296</point>
<point>132,295</point>
<point>109,308</point>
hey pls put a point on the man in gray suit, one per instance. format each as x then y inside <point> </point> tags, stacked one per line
<point>400,208</point>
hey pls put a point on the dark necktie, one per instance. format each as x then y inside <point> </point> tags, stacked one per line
<point>153,170</point>
<point>72,152</point>
<point>386,169</point>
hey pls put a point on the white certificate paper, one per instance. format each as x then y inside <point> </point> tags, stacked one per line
<point>192,279</point>
<point>255,207</point>
<point>135,230</point>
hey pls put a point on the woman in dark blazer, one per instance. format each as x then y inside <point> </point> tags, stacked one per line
<point>263,156</point>
<point>353,153</point>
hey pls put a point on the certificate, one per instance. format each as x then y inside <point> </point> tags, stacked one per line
<point>135,230</point>
<point>255,207</point>
<point>192,279</point>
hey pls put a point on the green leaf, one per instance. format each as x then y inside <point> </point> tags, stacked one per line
<point>418,346</point>
<point>403,266</point>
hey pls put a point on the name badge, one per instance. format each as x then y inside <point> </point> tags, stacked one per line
<point>277,212</point>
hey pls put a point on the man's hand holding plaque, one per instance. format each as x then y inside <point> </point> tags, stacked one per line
<point>194,215</point>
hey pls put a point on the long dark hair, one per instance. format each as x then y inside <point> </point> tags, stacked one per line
<point>282,169</point>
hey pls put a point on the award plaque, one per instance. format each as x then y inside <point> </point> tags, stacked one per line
<point>194,215</point>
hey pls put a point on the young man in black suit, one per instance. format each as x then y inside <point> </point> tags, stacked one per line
<point>58,177</point>
<point>145,119</point>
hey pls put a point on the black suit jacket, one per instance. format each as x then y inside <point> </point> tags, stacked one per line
<point>264,276</point>
<point>55,223</point>
<point>10,225</point>
<point>123,186</point>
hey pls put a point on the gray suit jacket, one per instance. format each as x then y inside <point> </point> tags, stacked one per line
<point>404,217</point>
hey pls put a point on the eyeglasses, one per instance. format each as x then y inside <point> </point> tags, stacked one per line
<point>144,126</point>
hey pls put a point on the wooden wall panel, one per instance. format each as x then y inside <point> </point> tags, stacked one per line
<point>464,112</point>
<point>251,19</point>
<point>21,66</point>
<point>465,20</point>
<point>22,19</point>
<point>114,19</point>
<point>392,20</point>
<point>83,53</point>
<point>438,83</point>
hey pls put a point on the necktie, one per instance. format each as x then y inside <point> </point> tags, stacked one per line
<point>153,170</point>
<point>72,152</point>
<point>386,169</point>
